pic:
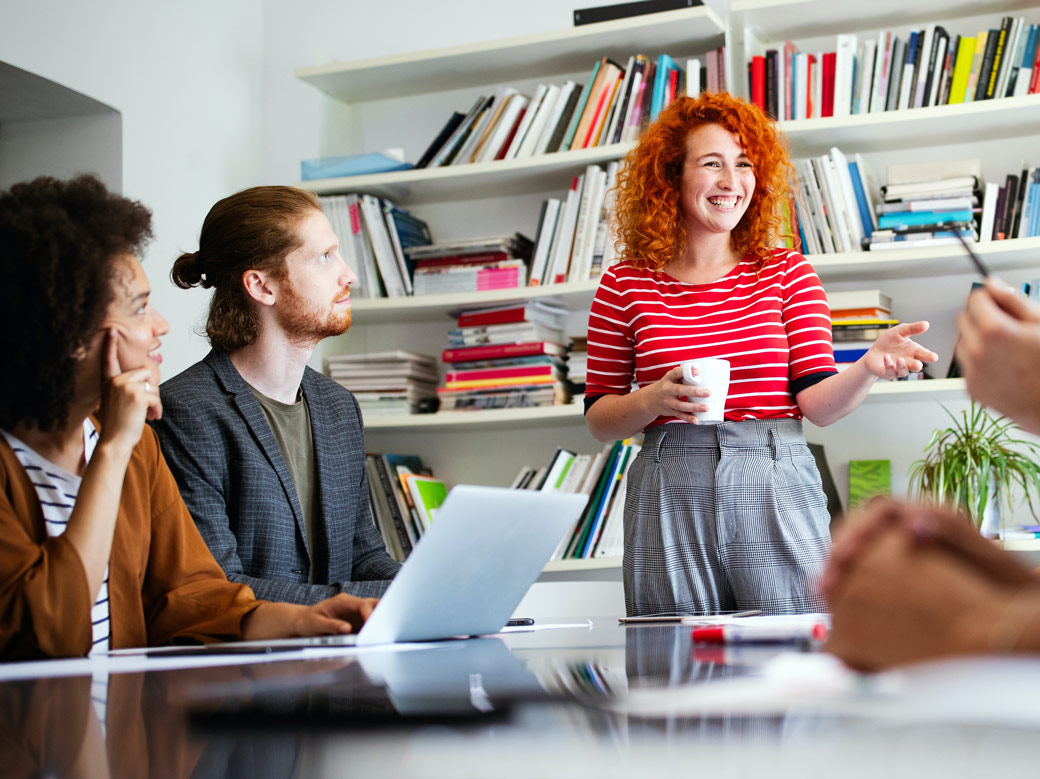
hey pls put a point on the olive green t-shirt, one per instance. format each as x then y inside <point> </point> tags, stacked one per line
<point>291,425</point>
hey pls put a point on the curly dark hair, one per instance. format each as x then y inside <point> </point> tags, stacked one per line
<point>252,229</point>
<point>60,244</point>
<point>649,219</point>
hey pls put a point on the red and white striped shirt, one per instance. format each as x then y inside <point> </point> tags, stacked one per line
<point>773,326</point>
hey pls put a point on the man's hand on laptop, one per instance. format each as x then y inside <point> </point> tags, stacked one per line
<point>341,613</point>
<point>337,615</point>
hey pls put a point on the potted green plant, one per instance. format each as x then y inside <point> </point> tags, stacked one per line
<point>975,465</point>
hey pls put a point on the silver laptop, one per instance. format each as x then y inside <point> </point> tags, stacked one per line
<point>473,566</point>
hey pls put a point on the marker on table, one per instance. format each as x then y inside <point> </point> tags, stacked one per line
<point>761,634</point>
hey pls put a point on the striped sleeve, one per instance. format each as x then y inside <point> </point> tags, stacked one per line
<point>807,320</point>
<point>611,345</point>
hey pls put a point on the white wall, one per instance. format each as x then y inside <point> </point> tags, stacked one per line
<point>61,147</point>
<point>186,77</point>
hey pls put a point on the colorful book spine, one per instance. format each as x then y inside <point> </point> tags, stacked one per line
<point>910,218</point>
<point>524,371</point>
<point>494,351</point>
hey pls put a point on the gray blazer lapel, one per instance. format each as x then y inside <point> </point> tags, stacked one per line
<point>331,434</point>
<point>253,414</point>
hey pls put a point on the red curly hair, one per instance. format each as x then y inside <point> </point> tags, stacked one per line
<point>650,230</point>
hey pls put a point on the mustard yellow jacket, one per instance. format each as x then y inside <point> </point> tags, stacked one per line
<point>163,582</point>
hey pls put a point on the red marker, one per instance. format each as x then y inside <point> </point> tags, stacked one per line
<point>762,634</point>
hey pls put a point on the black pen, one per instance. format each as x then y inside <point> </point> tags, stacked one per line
<point>957,230</point>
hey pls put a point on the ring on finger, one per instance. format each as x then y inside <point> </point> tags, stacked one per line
<point>147,387</point>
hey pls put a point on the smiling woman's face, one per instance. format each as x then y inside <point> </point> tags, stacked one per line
<point>718,181</point>
<point>138,326</point>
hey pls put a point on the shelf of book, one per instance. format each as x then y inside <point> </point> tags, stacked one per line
<point>1007,117</point>
<point>928,389</point>
<point>575,295</point>
<point>781,19</point>
<point>542,55</point>
<point>983,120</point>
<point>589,564</point>
<point>882,391</point>
<point>499,418</point>
<point>475,180</point>
<point>1017,254</point>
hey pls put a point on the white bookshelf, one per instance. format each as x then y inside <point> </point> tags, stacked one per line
<point>1006,117</point>
<point>1000,256</point>
<point>978,121</point>
<point>494,419</point>
<point>504,419</point>
<point>478,179</point>
<point>576,294</point>
<point>542,55</point>
<point>591,564</point>
<point>1019,254</point>
<point>781,19</point>
<point>896,418</point>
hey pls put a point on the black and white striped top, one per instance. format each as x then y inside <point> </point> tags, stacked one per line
<point>57,490</point>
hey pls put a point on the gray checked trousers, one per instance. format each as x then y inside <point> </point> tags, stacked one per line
<point>725,516</point>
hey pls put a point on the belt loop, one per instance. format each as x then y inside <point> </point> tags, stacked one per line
<point>658,442</point>
<point>775,443</point>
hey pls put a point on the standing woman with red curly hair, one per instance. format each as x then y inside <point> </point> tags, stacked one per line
<point>727,515</point>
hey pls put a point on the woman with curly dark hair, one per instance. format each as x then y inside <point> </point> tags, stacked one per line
<point>728,515</point>
<point>97,549</point>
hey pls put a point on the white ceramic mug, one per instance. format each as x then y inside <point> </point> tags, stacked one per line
<point>713,373</point>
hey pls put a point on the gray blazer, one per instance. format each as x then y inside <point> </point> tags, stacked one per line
<point>234,479</point>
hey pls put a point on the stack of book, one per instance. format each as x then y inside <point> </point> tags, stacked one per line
<point>575,237</point>
<point>931,67</point>
<point>578,365</point>
<point>404,497</point>
<point>506,357</point>
<point>858,317</point>
<point>602,476</point>
<point>834,203</point>
<point>394,382</point>
<point>612,106</point>
<point>374,235</point>
<point>1031,290</point>
<point>1012,210</point>
<point>928,204</point>
<point>471,265</point>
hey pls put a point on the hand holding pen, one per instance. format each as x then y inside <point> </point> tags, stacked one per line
<point>998,352</point>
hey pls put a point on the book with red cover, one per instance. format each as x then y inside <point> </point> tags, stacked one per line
<point>827,86</point>
<point>512,372</point>
<point>758,81</point>
<point>673,82</point>
<point>512,133</point>
<point>479,258</point>
<point>606,89</point>
<point>491,351</point>
<point>496,316</point>
<point>512,314</point>
<point>1034,80</point>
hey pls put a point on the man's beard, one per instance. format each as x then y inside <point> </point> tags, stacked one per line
<point>306,323</point>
